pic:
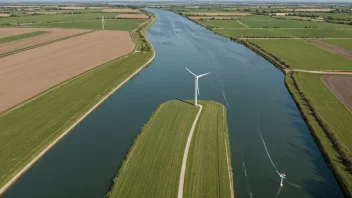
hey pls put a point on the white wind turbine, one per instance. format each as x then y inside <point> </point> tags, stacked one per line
<point>196,84</point>
<point>103,22</point>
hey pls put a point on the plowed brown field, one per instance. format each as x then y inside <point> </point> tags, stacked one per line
<point>132,16</point>
<point>26,74</point>
<point>338,50</point>
<point>53,34</point>
<point>341,86</point>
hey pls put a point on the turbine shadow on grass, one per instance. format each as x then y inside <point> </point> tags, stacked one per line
<point>185,101</point>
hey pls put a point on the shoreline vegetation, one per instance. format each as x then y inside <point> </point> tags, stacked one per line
<point>60,110</point>
<point>335,155</point>
<point>153,170</point>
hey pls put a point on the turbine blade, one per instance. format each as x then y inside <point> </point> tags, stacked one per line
<point>202,75</point>
<point>191,72</point>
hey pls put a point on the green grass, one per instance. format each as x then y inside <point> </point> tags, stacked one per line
<point>152,167</point>
<point>300,54</point>
<point>221,23</point>
<point>54,18</point>
<point>345,16</point>
<point>207,173</point>
<point>21,36</point>
<point>293,24</point>
<point>27,130</point>
<point>343,43</point>
<point>116,24</point>
<point>333,113</point>
<point>294,33</point>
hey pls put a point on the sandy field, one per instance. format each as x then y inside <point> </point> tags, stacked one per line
<point>343,52</point>
<point>54,33</point>
<point>4,15</point>
<point>132,16</point>
<point>26,74</point>
<point>208,17</point>
<point>6,32</point>
<point>217,14</point>
<point>341,86</point>
<point>281,14</point>
<point>122,10</point>
<point>72,8</point>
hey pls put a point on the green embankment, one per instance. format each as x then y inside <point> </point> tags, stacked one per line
<point>207,173</point>
<point>116,24</point>
<point>152,167</point>
<point>300,54</point>
<point>328,120</point>
<point>21,36</point>
<point>27,130</point>
<point>221,23</point>
<point>343,43</point>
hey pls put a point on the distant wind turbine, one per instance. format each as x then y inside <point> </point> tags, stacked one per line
<point>196,85</point>
<point>103,22</point>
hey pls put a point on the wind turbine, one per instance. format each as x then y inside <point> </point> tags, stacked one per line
<point>103,22</point>
<point>283,176</point>
<point>196,84</point>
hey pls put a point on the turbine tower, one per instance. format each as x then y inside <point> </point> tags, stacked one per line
<point>283,176</point>
<point>103,22</point>
<point>196,85</point>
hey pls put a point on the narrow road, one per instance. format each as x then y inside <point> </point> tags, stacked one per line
<point>242,24</point>
<point>185,155</point>
<point>320,72</point>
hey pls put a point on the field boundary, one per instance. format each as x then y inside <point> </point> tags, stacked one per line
<point>185,155</point>
<point>242,24</point>
<point>43,152</point>
<point>42,44</point>
<point>228,155</point>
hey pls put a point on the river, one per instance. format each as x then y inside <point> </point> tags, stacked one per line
<point>84,163</point>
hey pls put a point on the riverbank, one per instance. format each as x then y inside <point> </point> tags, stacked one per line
<point>50,117</point>
<point>153,170</point>
<point>334,152</point>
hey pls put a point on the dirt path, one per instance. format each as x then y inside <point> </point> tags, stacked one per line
<point>185,155</point>
<point>320,72</point>
<point>228,160</point>
<point>41,154</point>
<point>332,48</point>
<point>242,24</point>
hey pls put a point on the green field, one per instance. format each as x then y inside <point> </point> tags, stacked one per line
<point>115,24</point>
<point>153,170</point>
<point>276,23</point>
<point>21,36</point>
<point>221,23</point>
<point>343,43</point>
<point>333,113</point>
<point>27,130</point>
<point>54,18</point>
<point>300,54</point>
<point>207,155</point>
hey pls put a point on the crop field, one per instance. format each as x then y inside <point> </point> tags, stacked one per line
<point>341,86</point>
<point>218,14</point>
<point>52,64</point>
<point>343,43</point>
<point>300,54</point>
<point>222,23</point>
<point>121,10</point>
<point>50,35</point>
<point>116,24</point>
<point>54,18</point>
<point>334,114</point>
<point>7,32</point>
<point>153,170</point>
<point>132,16</point>
<point>337,50</point>
<point>277,23</point>
<point>21,36</point>
<point>207,157</point>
